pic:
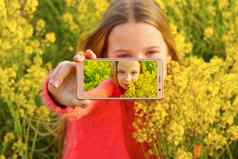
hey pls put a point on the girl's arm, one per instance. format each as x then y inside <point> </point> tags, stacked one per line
<point>52,104</point>
<point>104,89</point>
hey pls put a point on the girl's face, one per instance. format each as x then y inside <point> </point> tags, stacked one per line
<point>127,71</point>
<point>140,40</point>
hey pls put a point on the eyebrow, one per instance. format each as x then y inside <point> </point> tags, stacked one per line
<point>127,50</point>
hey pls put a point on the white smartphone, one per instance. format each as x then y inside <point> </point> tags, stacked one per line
<point>88,71</point>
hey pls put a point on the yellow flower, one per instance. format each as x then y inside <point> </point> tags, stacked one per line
<point>11,73</point>
<point>215,139</point>
<point>3,12</point>
<point>31,6</point>
<point>175,133</point>
<point>233,132</point>
<point>182,154</point>
<point>227,14</point>
<point>70,3</point>
<point>13,8</point>
<point>183,46</point>
<point>50,37</point>
<point>161,4</point>
<point>8,137</point>
<point>28,50</point>
<point>173,28</point>
<point>223,3</point>
<point>43,112</point>
<point>212,10</point>
<point>208,33</point>
<point>68,19</point>
<point>236,7</point>
<point>2,4</point>
<point>228,118</point>
<point>19,147</point>
<point>29,110</point>
<point>2,157</point>
<point>101,6</point>
<point>40,25</point>
<point>27,31</point>
<point>12,26</point>
<point>35,44</point>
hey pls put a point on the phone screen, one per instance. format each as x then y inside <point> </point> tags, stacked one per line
<point>139,78</point>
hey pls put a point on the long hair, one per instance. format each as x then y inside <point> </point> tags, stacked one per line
<point>60,137</point>
<point>124,11</point>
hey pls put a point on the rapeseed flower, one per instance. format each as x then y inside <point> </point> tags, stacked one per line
<point>208,32</point>
<point>50,37</point>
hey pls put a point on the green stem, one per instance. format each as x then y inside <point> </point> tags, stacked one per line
<point>27,131</point>
<point>229,152</point>
<point>159,148</point>
<point>18,123</point>
<point>34,140</point>
<point>156,149</point>
<point>53,8</point>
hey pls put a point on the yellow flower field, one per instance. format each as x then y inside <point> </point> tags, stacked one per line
<point>198,117</point>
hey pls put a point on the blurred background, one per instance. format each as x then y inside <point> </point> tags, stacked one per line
<point>198,117</point>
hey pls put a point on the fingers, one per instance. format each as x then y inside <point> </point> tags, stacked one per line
<point>60,73</point>
<point>64,68</point>
<point>52,78</point>
<point>78,58</point>
<point>88,54</point>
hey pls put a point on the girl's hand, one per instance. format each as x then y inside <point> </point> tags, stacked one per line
<point>63,84</point>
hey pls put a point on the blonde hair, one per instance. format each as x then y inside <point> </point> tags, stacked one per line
<point>114,66</point>
<point>124,11</point>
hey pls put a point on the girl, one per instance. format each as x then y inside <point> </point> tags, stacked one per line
<point>103,130</point>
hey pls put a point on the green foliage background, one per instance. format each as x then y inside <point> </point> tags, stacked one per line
<point>201,95</point>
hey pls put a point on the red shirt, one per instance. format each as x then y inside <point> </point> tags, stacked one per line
<point>104,133</point>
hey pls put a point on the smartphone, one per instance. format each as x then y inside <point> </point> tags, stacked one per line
<point>91,72</point>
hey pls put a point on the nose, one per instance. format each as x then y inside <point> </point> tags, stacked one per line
<point>128,78</point>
